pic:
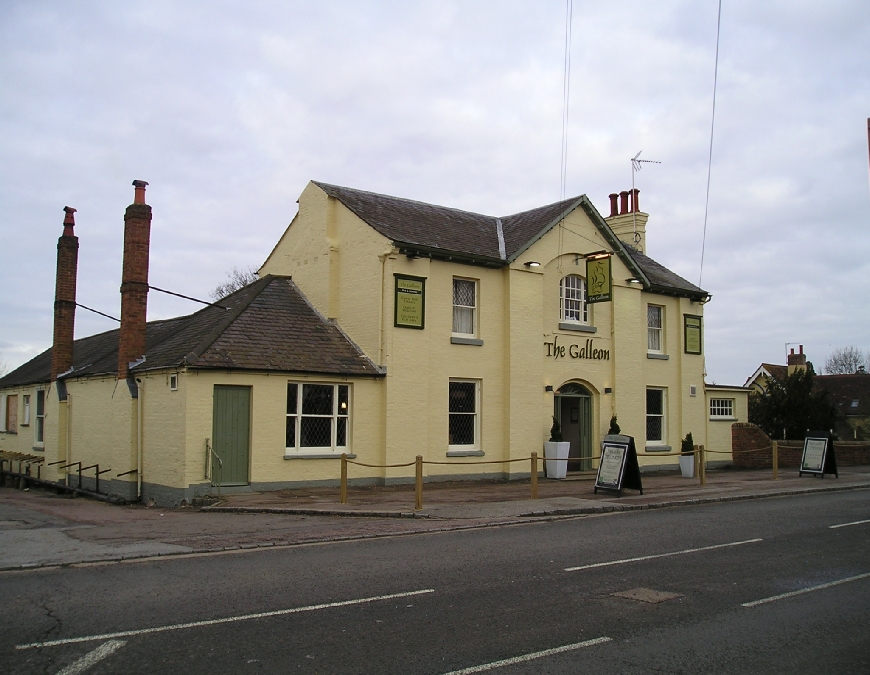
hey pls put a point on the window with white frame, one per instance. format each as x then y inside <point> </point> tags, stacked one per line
<point>463,407</point>
<point>25,410</point>
<point>572,299</point>
<point>656,401</point>
<point>655,329</point>
<point>317,417</point>
<point>11,414</point>
<point>40,416</point>
<point>464,307</point>
<point>722,407</point>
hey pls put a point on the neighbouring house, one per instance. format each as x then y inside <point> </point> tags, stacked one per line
<point>381,328</point>
<point>850,393</point>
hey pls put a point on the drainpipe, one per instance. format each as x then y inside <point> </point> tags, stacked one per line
<point>139,425</point>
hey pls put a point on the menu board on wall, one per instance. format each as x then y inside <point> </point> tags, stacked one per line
<point>410,302</point>
<point>692,333</point>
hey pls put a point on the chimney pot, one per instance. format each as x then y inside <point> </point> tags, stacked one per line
<point>614,208</point>
<point>139,192</point>
<point>623,202</point>
<point>69,221</point>
<point>635,207</point>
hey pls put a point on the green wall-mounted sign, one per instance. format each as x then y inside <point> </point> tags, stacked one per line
<point>410,302</point>
<point>692,334</point>
<point>599,280</point>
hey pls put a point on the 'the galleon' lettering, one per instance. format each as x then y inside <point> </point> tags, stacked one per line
<point>575,351</point>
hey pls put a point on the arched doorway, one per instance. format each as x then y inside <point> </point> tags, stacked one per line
<point>573,409</point>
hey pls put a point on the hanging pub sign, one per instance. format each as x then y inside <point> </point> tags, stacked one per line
<point>410,301</point>
<point>599,281</point>
<point>818,456</point>
<point>618,468</point>
<point>692,333</point>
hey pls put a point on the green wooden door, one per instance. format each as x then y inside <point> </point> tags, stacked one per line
<point>231,431</point>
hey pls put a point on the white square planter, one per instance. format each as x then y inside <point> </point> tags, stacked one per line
<point>687,466</point>
<point>556,455</point>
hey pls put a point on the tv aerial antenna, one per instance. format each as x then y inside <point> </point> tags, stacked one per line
<point>636,165</point>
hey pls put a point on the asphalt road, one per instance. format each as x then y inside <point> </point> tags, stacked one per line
<point>478,600</point>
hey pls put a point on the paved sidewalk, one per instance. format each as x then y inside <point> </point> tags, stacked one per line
<point>41,529</point>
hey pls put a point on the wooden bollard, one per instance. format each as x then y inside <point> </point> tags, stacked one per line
<point>534,475</point>
<point>418,484</point>
<point>775,458</point>
<point>343,497</point>
<point>702,464</point>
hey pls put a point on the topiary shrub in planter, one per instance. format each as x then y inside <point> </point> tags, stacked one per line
<point>556,452</point>
<point>614,427</point>
<point>687,456</point>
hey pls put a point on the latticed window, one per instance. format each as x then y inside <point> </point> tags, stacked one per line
<point>655,415</point>
<point>572,299</point>
<point>721,407</point>
<point>463,413</point>
<point>464,306</point>
<point>654,323</point>
<point>317,416</point>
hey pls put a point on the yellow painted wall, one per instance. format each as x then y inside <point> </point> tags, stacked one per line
<point>719,429</point>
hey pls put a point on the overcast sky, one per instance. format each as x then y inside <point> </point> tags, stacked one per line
<point>228,109</point>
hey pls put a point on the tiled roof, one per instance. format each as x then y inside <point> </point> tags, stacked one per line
<point>267,325</point>
<point>445,231</point>
<point>661,278</point>
<point>847,389</point>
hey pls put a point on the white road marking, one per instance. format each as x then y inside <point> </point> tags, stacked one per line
<point>755,603</point>
<point>88,660</point>
<point>529,657</point>
<point>229,619</point>
<point>661,555</point>
<point>857,522</point>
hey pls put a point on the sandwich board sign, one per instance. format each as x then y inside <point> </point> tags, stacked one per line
<point>618,468</point>
<point>818,456</point>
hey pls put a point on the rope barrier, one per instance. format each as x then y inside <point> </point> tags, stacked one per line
<point>379,466</point>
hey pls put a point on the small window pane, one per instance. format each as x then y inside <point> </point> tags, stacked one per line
<point>292,393</point>
<point>462,397</point>
<point>343,391</point>
<point>291,432</point>
<point>317,400</point>
<point>461,429</point>
<point>653,428</point>
<point>653,401</point>
<point>315,432</point>
<point>463,293</point>
<point>341,432</point>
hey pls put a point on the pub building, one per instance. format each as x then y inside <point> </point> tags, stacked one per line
<point>381,328</point>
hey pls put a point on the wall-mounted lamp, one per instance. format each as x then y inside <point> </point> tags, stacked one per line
<point>608,390</point>
<point>633,281</point>
<point>549,387</point>
<point>532,263</point>
<point>597,255</point>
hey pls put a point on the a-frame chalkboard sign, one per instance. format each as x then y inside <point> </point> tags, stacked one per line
<point>618,468</point>
<point>818,457</point>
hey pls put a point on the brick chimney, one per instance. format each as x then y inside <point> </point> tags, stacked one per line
<point>797,361</point>
<point>65,296</point>
<point>134,281</point>
<point>626,219</point>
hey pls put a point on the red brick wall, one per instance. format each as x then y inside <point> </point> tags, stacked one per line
<point>751,449</point>
<point>134,285</point>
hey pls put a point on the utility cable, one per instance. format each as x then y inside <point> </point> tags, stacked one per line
<point>710,156</point>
